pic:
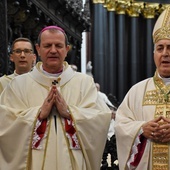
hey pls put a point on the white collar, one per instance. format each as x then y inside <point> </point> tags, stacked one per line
<point>50,74</point>
<point>165,80</point>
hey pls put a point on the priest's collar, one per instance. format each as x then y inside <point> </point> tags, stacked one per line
<point>165,80</point>
<point>15,73</point>
<point>50,74</point>
<point>46,79</point>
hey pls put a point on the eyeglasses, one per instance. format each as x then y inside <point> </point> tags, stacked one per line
<point>18,52</point>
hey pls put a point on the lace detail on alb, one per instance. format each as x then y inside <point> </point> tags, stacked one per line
<point>134,151</point>
<point>37,139</point>
<point>71,133</point>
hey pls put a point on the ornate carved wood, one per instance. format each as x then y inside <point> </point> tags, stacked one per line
<point>25,18</point>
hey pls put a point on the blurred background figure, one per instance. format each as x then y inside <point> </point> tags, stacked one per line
<point>112,108</point>
<point>111,131</point>
<point>89,68</point>
<point>74,67</point>
<point>103,95</point>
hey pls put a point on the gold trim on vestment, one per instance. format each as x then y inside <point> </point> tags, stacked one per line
<point>46,142</point>
<point>160,97</point>
<point>160,151</point>
<point>80,143</point>
<point>67,141</point>
<point>29,157</point>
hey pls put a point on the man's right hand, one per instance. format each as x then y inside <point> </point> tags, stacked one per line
<point>48,103</point>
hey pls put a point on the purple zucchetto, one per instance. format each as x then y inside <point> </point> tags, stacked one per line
<point>52,27</point>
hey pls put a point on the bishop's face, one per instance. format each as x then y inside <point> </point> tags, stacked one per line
<point>162,57</point>
<point>52,50</point>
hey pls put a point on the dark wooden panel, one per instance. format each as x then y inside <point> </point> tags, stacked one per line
<point>3,38</point>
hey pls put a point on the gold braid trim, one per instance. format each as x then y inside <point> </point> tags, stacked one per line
<point>46,143</point>
<point>29,157</point>
<point>160,95</point>
<point>160,151</point>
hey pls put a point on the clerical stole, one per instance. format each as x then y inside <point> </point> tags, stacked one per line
<point>160,98</point>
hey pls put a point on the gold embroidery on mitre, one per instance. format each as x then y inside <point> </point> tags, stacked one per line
<point>164,31</point>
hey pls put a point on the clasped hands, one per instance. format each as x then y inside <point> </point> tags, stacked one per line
<point>157,129</point>
<point>55,99</point>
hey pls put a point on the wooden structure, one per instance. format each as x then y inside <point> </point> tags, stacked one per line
<point>25,18</point>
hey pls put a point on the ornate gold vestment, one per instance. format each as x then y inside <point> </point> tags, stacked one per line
<point>160,97</point>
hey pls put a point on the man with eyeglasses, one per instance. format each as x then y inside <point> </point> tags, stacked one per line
<point>22,54</point>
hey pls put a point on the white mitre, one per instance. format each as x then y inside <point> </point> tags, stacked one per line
<point>162,26</point>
